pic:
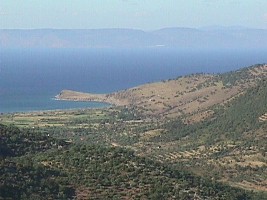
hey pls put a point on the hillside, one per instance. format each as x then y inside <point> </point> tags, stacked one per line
<point>20,177</point>
<point>184,95</point>
<point>96,172</point>
<point>199,137</point>
<point>229,146</point>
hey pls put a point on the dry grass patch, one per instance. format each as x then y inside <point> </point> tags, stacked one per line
<point>150,134</point>
<point>257,186</point>
<point>198,117</point>
<point>263,118</point>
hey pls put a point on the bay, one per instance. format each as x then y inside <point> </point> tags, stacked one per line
<point>30,78</point>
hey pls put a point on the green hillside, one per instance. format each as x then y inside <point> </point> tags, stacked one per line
<point>217,150</point>
<point>229,146</point>
<point>97,172</point>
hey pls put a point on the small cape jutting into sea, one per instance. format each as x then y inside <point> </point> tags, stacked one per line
<point>183,95</point>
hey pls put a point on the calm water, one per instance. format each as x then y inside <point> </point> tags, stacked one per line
<point>30,78</point>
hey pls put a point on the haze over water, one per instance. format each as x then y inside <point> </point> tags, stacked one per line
<point>30,78</point>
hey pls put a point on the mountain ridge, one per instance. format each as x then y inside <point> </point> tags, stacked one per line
<point>178,37</point>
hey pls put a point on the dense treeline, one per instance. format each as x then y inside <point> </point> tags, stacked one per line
<point>20,177</point>
<point>115,172</point>
<point>16,142</point>
<point>25,180</point>
<point>94,171</point>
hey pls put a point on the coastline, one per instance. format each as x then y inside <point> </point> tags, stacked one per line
<point>51,103</point>
<point>69,95</point>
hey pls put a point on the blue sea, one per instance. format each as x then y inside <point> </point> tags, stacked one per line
<point>30,78</point>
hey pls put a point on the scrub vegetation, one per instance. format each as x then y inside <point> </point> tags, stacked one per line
<point>196,137</point>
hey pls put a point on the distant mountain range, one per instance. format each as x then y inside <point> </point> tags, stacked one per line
<point>208,37</point>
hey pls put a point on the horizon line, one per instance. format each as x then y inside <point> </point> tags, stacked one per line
<point>212,27</point>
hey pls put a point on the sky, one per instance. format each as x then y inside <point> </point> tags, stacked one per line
<point>137,14</point>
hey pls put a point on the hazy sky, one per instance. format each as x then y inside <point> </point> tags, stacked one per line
<point>140,14</point>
